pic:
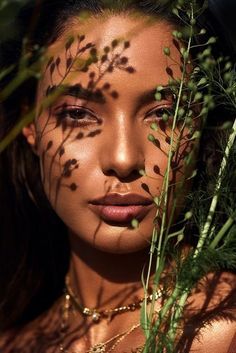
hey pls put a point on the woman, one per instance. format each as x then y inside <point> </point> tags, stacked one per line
<point>77,173</point>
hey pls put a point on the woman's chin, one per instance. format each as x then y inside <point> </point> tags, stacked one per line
<point>114,239</point>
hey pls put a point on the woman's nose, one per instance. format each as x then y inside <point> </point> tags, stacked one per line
<point>123,152</point>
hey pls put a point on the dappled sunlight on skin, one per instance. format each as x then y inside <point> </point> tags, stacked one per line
<point>105,64</point>
<point>211,308</point>
<point>93,141</point>
<point>101,128</point>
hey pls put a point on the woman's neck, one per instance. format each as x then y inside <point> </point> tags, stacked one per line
<point>105,280</point>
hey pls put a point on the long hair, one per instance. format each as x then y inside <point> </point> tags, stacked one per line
<point>34,249</point>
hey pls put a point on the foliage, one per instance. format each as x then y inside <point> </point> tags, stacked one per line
<point>210,85</point>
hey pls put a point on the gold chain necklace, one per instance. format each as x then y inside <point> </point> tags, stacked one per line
<point>96,314</point>
<point>97,348</point>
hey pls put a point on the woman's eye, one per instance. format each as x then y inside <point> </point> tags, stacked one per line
<point>159,113</point>
<point>81,115</point>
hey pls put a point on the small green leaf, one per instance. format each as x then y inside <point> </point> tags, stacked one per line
<point>181,3</point>
<point>135,223</point>
<point>227,125</point>
<point>142,172</point>
<point>192,86</point>
<point>154,126</point>
<point>180,237</point>
<point>196,135</point>
<point>158,96</point>
<point>206,52</point>
<point>197,97</point>
<point>202,82</point>
<point>204,111</point>
<point>211,40</point>
<point>185,54</point>
<point>189,121</point>
<point>188,215</point>
<point>227,76</point>
<point>192,21</point>
<point>190,113</point>
<point>172,82</point>
<point>166,51</point>
<point>207,98</point>
<point>165,117</point>
<point>194,173</point>
<point>175,11</point>
<point>228,65</point>
<point>175,33</point>
<point>151,138</point>
<point>179,35</point>
<point>160,88</point>
<point>181,112</point>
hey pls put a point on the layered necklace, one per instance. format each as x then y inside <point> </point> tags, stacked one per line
<point>108,314</point>
<point>71,301</point>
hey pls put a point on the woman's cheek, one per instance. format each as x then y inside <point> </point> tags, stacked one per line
<point>59,168</point>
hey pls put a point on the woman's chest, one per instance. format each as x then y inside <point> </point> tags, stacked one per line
<point>214,338</point>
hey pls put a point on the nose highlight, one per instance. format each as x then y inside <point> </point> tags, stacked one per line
<point>123,155</point>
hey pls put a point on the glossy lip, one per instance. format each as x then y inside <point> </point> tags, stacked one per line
<point>121,208</point>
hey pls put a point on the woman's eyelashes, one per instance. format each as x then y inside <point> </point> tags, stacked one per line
<point>160,112</point>
<point>83,116</point>
<point>80,114</point>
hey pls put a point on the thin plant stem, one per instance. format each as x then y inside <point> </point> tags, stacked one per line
<point>207,225</point>
<point>167,306</point>
<point>223,231</point>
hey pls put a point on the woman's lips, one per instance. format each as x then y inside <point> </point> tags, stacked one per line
<point>121,214</point>
<point>121,208</point>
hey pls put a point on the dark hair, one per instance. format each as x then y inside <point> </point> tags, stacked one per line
<point>34,250</point>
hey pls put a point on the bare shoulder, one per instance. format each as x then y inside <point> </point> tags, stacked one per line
<point>211,314</point>
<point>38,336</point>
<point>216,291</point>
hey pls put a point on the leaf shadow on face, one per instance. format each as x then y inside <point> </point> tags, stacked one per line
<point>80,57</point>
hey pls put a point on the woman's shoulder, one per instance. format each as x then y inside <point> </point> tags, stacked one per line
<point>211,314</point>
<point>39,335</point>
<point>216,290</point>
<point>213,299</point>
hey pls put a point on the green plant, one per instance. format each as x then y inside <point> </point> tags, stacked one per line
<point>210,84</point>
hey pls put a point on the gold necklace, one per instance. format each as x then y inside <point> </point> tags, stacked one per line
<point>108,314</point>
<point>99,347</point>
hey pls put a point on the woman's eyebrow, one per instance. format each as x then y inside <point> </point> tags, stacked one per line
<point>78,91</point>
<point>149,96</point>
<point>97,96</point>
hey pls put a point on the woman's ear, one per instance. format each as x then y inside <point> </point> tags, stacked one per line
<point>29,132</point>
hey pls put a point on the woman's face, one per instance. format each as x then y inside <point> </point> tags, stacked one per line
<point>93,140</point>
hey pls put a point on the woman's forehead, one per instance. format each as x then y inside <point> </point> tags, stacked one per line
<point>107,26</point>
<point>126,43</point>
